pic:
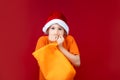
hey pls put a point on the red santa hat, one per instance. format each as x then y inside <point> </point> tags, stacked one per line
<point>56,17</point>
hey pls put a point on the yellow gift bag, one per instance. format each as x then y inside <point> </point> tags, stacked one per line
<point>53,64</point>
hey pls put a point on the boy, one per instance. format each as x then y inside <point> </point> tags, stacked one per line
<point>58,31</point>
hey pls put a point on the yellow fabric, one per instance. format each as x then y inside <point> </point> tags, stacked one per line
<point>53,64</point>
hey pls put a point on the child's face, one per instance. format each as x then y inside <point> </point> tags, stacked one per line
<point>55,31</point>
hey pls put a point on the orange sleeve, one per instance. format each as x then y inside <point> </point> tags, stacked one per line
<point>41,42</point>
<point>73,48</point>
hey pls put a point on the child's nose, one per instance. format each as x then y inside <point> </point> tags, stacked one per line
<point>56,31</point>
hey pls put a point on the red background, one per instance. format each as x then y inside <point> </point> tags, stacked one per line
<point>95,24</point>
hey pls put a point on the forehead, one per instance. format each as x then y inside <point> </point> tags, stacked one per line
<point>56,25</point>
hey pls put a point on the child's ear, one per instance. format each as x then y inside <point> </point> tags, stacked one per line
<point>65,33</point>
<point>47,31</point>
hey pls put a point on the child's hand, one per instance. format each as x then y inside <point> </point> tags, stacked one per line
<point>60,40</point>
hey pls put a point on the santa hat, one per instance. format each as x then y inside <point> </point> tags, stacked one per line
<point>56,17</point>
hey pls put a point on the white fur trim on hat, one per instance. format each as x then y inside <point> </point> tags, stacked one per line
<point>58,21</point>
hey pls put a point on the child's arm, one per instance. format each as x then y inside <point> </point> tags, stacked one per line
<point>73,58</point>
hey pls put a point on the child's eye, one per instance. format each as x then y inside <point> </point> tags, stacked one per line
<point>52,28</point>
<point>59,29</point>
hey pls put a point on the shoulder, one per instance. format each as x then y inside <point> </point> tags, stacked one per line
<point>42,41</point>
<point>69,38</point>
<point>42,38</point>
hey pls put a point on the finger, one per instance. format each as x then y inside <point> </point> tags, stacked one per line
<point>55,38</point>
<point>60,36</point>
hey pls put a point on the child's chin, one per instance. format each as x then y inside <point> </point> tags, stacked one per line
<point>53,41</point>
